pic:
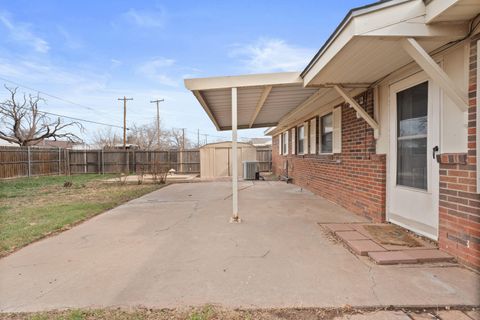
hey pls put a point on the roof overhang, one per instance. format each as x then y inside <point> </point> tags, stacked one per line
<point>451,10</point>
<point>366,46</point>
<point>371,42</point>
<point>263,99</point>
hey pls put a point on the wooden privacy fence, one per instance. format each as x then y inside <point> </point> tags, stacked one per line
<point>35,161</point>
<point>264,158</point>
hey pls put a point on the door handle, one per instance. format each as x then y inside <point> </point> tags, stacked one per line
<point>435,150</point>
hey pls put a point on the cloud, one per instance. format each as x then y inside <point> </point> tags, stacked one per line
<point>272,55</point>
<point>70,41</point>
<point>156,69</point>
<point>21,32</point>
<point>146,18</point>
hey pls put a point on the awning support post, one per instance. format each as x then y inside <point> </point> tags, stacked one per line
<point>235,217</point>
<point>433,70</point>
<point>360,111</point>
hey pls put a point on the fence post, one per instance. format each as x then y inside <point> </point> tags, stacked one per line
<point>103,162</point>
<point>134,162</point>
<point>59,162</point>
<point>85,160</point>
<point>29,162</point>
<point>98,161</point>
<point>128,161</point>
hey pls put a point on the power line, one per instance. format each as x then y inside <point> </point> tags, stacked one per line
<point>79,119</point>
<point>52,96</point>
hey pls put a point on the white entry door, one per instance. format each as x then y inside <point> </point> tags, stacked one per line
<point>413,179</point>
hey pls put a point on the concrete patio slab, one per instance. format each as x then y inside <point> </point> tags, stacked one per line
<point>175,247</point>
<point>422,316</point>
<point>475,315</point>
<point>453,315</point>
<point>363,247</point>
<point>379,315</point>
<point>334,227</point>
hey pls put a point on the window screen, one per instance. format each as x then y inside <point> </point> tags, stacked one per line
<point>412,108</point>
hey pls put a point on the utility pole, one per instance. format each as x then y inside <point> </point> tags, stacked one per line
<point>206,138</point>
<point>198,138</point>
<point>183,138</point>
<point>158,120</point>
<point>125,99</point>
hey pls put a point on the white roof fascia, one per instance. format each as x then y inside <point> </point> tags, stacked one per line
<point>436,7</point>
<point>340,37</point>
<point>251,80</point>
<point>415,28</point>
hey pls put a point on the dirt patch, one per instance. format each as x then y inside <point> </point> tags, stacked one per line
<point>210,312</point>
<point>392,235</point>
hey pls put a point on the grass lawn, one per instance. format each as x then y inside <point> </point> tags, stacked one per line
<point>209,312</point>
<point>31,208</point>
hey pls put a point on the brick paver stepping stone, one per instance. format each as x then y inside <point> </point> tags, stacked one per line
<point>391,257</point>
<point>350,235</point>
<point>338,227</point>
<point>431,255</point>
<point>363,247</point>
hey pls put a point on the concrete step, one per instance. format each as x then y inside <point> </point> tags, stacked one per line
<point>391,257</point>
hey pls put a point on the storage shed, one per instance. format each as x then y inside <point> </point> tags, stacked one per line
<point>216,158</point>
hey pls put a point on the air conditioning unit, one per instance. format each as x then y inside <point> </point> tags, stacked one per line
<point>250,170</point>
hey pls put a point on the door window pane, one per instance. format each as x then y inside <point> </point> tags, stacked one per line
<point>412,108</point>
<point>327,133</point>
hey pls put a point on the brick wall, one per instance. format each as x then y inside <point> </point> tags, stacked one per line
<point>355,178</point>
<point>459,207</point>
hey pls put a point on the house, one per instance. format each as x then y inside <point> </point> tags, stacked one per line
<point>63,144</point>
<point>382,121</point>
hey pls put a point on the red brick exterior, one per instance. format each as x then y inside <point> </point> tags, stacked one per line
<point>459,207</point>
<point>354,178</point>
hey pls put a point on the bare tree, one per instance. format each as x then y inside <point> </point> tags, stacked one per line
<point>23,124</point>
<point>107,138</point>
<point>145,137</point>
<point>176,139</point>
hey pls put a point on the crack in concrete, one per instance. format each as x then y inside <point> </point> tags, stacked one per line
<point>374,284</point>
<point>230,195</point>
<point>195,208</point>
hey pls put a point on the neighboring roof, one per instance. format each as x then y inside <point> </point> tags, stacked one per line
<point>64,144</point>
<point>225,144</point>
<point>261,141</point>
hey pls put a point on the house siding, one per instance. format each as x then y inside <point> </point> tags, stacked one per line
<point>459,203</point>
<point>355,178</point>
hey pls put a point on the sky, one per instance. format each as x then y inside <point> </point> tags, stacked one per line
<point>83,55</point>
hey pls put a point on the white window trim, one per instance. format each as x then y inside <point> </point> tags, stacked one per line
<point>285,143</point>
<point>294,140</point>
<point>312,141</point>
